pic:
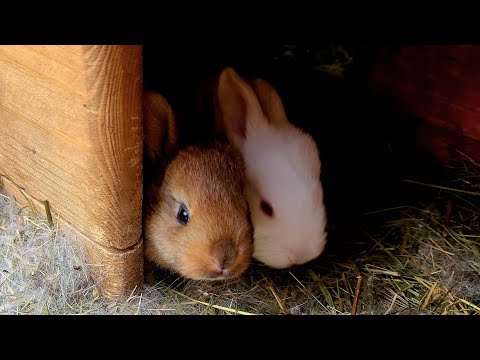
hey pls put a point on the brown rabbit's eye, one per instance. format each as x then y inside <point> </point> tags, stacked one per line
<point>182,215</point>
<point>266,208</point>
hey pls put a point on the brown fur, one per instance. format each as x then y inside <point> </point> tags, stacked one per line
<point>210,182</point>
<point>160,127</point>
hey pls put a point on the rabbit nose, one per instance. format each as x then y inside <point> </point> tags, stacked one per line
<point>221,270</point>
<point>224,253</point>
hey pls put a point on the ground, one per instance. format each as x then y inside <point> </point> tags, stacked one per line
<point>421,257</point>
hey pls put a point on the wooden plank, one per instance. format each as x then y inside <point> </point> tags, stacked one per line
<point>71,133</point>
<point>57,64</point>
<point>117,272</point>
<point>438,84</point>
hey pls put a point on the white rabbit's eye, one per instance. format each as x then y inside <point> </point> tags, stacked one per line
<point>266,208</point>
<point>182,215</point>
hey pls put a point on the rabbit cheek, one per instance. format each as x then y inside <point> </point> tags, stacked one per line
<point>242,261</point>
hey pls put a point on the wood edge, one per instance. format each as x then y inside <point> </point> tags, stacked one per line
<point>116,272</point>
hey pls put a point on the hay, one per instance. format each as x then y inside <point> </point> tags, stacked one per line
<point>420,258</point>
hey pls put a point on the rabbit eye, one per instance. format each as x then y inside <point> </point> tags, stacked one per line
<point>182,216</point>
<point>266,208</point>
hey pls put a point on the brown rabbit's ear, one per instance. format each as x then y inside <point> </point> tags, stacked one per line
<point>270,102</point>
<point>159,126</point>
<point>237,107</point>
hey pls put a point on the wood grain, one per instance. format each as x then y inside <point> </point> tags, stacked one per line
<point>71,133</point>
<point>117,272</point>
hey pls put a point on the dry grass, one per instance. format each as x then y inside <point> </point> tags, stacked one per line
<point>420,258</point>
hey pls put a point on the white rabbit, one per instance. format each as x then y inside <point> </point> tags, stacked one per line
<point>284,190</point>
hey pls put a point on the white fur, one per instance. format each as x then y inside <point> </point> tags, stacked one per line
<point>283,168</point>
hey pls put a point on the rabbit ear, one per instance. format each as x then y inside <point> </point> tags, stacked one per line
<point>270,102</point>
<point>159,126</point>
<point>237,107</point>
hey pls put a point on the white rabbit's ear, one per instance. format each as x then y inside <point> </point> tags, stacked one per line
<point>270,102</point>
<point>236,106</point>
<point>159,127</point>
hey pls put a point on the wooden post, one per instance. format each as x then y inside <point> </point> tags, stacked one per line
<point>71,133</point>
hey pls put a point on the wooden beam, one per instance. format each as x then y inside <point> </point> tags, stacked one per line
<point>71,133</point>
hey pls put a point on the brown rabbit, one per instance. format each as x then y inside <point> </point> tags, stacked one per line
<point>196,216</point>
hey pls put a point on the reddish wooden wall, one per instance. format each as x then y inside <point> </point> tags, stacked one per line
<point>441,85</point>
